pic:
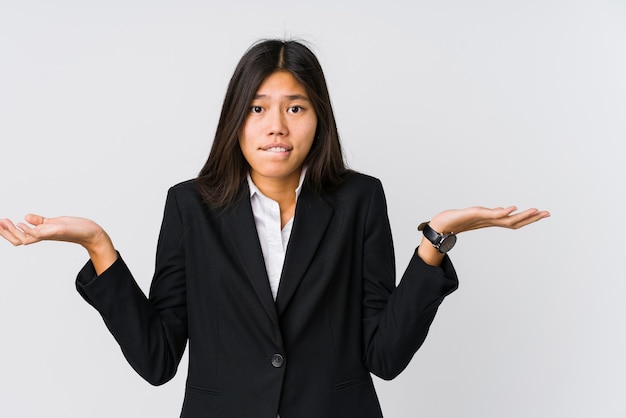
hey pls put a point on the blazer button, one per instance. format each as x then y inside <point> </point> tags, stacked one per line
<point>278,360</point>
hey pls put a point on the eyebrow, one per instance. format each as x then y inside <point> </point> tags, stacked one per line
<point>289,97</point>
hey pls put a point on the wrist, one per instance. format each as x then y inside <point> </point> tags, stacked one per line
<point>429,254</point>
<point>439,226</point>
<point>442,242</point>
<point>101,252</point>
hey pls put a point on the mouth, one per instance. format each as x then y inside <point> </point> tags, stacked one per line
<point>276,148</point>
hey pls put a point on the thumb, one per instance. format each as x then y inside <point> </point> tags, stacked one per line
<point>34,219</point>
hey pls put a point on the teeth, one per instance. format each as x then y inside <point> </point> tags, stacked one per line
<point>277,149</point>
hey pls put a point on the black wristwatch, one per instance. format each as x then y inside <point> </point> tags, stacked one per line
<point>442,242</point>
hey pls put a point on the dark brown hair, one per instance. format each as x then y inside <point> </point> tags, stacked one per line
<point>225,170</point>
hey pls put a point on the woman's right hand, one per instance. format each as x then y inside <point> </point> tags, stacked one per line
<point>80,231</point>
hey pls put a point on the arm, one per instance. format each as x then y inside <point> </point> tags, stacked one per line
<point>396,320</point>
<point>151,332</point>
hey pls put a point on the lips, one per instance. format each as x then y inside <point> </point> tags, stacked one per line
<point>276,148</point>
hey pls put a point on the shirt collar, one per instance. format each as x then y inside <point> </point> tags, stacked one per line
<point>255,190</point>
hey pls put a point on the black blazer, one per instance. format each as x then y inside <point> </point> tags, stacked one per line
<point>338,315</point>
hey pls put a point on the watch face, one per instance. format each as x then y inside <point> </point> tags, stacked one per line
<point>447,242</point>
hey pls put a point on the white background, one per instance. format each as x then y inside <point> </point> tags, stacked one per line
<point>104,105</point>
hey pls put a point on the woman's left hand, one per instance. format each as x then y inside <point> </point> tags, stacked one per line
<point>462,220</point>
<point>476,217</point>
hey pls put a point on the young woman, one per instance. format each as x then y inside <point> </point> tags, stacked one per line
<point>276,263</point>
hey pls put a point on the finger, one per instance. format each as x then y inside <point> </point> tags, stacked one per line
<point>11,233</point>
<point>509,210</point>
<point>33,219</point>
<point>482,215</point>
<point>537,216</point>
<point>524,214</point>
<point>521,219</point>
<point>4,231</point>
<point>503,212</point>
<point>499,217</point>
<point>4,223</point>
<point>29,234</point>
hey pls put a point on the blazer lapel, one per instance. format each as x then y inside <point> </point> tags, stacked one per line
<point>310,222</point>
<point>239,226</point>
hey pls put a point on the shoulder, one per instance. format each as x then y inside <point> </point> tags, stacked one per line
<point>357,192</point>
<point>185,192</point>
<point>360,183</point>
<point>185,187</point>
<point>188,196</point>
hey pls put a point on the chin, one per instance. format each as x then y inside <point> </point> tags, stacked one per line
<point>278,174</point>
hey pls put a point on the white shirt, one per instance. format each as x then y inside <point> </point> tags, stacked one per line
<point>273,239</point>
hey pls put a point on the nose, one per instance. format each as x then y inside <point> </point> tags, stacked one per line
<point>276,124</point>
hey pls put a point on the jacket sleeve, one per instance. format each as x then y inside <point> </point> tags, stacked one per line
<point>152,332</point>
<point>396,320</point>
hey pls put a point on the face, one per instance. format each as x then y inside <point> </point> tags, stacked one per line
<point>279,130</point>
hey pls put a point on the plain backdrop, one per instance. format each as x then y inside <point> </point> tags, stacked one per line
<point>106,104</point>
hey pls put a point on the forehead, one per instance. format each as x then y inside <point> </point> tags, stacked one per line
<point>280,83</point>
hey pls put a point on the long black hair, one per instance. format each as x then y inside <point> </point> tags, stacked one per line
<point>225,170</point>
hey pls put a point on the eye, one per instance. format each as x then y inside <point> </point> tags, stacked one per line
<point>256,109</point>
<point>296,109</point>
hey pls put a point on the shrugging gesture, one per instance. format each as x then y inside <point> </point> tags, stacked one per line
<point>97,242</point>
<point>276,263</point>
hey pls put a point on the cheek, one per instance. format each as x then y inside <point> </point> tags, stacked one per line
<point>245,149</point>
<point>246,129</point>
<point>310,129</point>
<point>245,136</point>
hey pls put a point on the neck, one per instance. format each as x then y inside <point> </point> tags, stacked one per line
<point>281,190</point>
<point>277,189</point>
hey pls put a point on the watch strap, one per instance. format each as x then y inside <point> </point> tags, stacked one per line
<point>433,236</point>
<point>442,242</point>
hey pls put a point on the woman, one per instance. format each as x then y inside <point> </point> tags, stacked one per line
<point>276,263</point>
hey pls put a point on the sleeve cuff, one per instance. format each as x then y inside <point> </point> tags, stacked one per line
<point>87,275</point>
